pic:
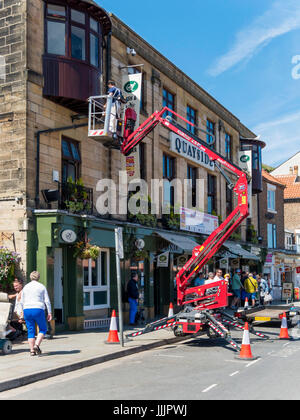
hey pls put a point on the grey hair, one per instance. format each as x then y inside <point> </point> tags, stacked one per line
<point>35,275</point>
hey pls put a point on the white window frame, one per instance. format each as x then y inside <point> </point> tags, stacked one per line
<point>99,288</point>
<point>271,206</point>
<point>273,233</point>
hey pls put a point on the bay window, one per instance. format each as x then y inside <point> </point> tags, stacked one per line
<point>73,34</point>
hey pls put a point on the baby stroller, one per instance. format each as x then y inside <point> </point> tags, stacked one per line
<point>5,316</point>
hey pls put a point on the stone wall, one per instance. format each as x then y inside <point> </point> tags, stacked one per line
<point>13,217</point>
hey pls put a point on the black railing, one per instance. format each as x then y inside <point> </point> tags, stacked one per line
<point>75,198</point>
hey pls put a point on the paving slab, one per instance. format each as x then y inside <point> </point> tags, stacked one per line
<point>67,352</point>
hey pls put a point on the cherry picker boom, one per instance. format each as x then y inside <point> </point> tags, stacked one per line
<point>203,306</point>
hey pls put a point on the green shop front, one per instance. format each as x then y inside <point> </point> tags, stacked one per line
<point>84,291</point>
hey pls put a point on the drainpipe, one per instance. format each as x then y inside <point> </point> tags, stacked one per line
<point>38,142</point>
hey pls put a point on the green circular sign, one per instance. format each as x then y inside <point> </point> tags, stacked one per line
<point>131,86</point>
<point>245,158</point>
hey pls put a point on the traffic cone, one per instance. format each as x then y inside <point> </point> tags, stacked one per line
<point>171,310</point>
<point>246,303</point>
<point>113,337</point>
<point>245,353</point>
<point>284,334</point>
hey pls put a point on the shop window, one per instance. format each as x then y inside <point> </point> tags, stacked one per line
<point>96,284</point>
<point>71,160</point>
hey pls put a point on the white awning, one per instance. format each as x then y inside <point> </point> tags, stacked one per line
<point>240,252</point>
<point>183,242</point>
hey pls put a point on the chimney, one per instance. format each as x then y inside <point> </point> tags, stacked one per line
<point>296,170</point>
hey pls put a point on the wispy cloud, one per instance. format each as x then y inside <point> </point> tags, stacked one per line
<point>282,137</point>
<point>282,18</point>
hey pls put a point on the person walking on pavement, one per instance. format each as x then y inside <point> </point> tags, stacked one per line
<point>251,288</point>
<point>133,297</point>
<point>219,275</point>
<point>236,286</point>
<point>33,301</point>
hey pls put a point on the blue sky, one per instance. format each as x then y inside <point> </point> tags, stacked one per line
<point>240,52</point>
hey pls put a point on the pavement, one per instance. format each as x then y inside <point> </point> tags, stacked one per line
<point>70,351</point>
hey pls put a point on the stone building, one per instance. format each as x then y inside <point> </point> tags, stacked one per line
<point>56,54</point>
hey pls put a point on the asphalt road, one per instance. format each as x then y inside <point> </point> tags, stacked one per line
<point>198,369</point>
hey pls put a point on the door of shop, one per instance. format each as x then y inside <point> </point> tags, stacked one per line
<point>58,286</point>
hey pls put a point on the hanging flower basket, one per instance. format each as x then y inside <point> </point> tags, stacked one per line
<point>8,262</point>
<point>86,251</point>
<point>141,255</point>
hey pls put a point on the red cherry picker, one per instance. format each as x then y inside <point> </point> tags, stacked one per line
<point>203,306</point>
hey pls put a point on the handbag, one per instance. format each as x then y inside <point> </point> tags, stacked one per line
<point>268,298</point>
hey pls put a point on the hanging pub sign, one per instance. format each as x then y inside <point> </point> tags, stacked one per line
<point>163,260</point>
<point>132,92</point>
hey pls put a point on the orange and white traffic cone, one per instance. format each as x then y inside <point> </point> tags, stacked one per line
<point>284,334</point>
<point>246,303</point>
<point>246,353</point>
<point>171,310</point>
<point>113,337</point>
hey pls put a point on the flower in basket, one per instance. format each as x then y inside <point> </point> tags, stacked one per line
<point>86,251</point>
<point>8,262</point>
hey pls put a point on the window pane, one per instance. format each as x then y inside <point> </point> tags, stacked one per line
<point>56,38</point>
<point>94,265</point>
<point>100,298</point>
<point>85,264</point>
<point>65,150</point>
<point>78,16</point>
<point>94,25</point>
<point>78,43</point>
<point>103,269</point>
<point>94,50</point>
<point>55,10</point>
<point>86,299</point>
<point>75,152</point>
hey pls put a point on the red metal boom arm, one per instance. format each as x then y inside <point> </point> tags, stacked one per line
<point>201,254</point>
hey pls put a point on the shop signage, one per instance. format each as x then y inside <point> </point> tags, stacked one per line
<point>182,260</point>
<point>163,260</point>
<point>68,236</point>
<point>235,263</point>
<point>245,163</point>
<point>198,222</point>
<point>132,91</point>
<point>287,290</point>
<point>270,259</point>
<point>224,263</point>
<point>185,149</point>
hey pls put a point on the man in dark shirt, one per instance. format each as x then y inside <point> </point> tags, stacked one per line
<point>133,297</point>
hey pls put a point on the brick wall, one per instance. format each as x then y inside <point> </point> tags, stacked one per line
<point>292,215</point>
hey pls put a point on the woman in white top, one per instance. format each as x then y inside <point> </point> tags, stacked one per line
<point>34,300</point>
